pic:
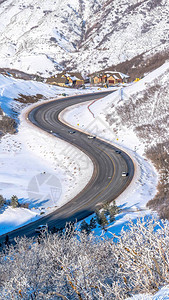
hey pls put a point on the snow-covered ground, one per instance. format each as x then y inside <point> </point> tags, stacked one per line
<point>163,294</point>
<point>100,118</point>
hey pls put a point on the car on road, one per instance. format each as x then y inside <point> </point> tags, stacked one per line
<point>118,151</point>
<point>91,137</point>
<point>41,228</point>
<point>72,131</point>
<point>124,174</point>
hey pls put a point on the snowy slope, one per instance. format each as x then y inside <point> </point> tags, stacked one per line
<point>84,35</point>
<point>117,118</point>
<point>120,115</point>
<point>162,294</point>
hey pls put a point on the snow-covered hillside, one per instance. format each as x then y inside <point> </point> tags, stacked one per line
<point>81,35</point>
<point>136,118</point>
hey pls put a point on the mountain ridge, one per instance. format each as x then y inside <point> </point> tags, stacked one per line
<point>79,35</point>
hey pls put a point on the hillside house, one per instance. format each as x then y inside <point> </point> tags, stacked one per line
<point>58,79</point>
<point>113,78</point>
<point>109,78</point>
<point>66,79</point>
<point>75,79</point>
<point>96,79</point>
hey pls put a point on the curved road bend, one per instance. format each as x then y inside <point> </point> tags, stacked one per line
<point>106,183</point>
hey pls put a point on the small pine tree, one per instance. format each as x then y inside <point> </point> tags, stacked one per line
<point>2,201</point>
<point>113,210</point>
<point>101,219</point>
<point>104,221</point>
<point>106,208</point>
<point>92,224</point>
<point>14,201</point>
<point>110,210</point>
<point>85,227</point>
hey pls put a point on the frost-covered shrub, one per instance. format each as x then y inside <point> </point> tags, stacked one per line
<point>80,266</point>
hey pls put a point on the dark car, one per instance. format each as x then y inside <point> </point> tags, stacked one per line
<point>71,131</point>
<point>118,151</point>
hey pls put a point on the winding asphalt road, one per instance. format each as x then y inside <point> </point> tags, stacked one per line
<point>106,183</point>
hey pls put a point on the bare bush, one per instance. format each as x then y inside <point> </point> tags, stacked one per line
<point>160,157</point>
<point>7,124</point>
<point>2,201</point>
<point>29,98</point>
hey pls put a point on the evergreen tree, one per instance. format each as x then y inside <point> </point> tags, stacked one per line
<point>85,227</point>
<point>110,210</point>
<point>2,201</point>
<point>113,210</point>
<point>92,223</point>
<point>106,208</point>
<point>14,201</point>
<point>101,219</point>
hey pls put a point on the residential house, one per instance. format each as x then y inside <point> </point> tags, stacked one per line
<point>116,77</point>
<point>66,79</point>
<point>109,78</point>
<point>75,79</point>
<point>96,79</point>
<point>58,79</point>
<point>113,78</point>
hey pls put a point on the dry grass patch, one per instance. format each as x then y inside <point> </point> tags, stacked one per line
<point>159,155</point>
<point>7,124</point>
<point>29,99</point>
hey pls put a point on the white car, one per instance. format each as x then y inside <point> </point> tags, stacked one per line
<point>72,131</point>
<point>124,174</point>
<point>41,228</point>
<point>91,137</point>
